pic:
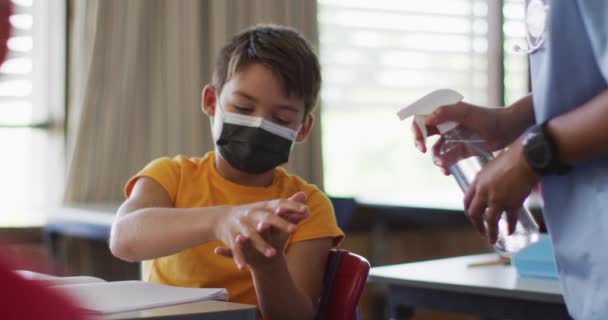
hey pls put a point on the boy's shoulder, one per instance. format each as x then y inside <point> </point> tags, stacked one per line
<point>181,162</point>
<point>292,179</point>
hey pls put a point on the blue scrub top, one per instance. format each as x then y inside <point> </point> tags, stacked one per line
<point>570,69</point>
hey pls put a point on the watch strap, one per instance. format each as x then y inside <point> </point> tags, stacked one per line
<point>554,165</point>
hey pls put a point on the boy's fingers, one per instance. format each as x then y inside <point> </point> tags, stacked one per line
<point>277,222</point>
<point>292,208</point>
<point>298,197</point>
<point>239,257</point>
<point>263,227</point>
<point>224,252</point>
<point>242,238</point>
<point>256,241</point>
<point>294,218</point>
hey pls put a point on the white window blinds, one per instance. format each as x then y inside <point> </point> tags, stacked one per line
<point>16,72</point>
<point>380,55</point>
<point>32,88</point>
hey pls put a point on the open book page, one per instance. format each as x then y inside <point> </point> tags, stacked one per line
<point>51,280</point>
<point>121,296</point>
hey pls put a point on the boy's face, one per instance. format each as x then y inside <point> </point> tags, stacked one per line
<point>256,91</point>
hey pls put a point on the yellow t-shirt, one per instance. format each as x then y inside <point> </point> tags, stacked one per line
<point>194,182</point>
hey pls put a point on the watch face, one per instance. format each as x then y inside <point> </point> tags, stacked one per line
<point>538,150</point>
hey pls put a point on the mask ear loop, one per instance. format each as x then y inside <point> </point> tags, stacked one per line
<point>298,131</point>
<point>302,124</point>
<point>217,122</point>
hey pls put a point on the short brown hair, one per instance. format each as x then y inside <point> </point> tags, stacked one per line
<point>283,50</point>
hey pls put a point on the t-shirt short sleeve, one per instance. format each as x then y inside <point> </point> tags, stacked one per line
<point>165,171</point>
<point>321,223</point>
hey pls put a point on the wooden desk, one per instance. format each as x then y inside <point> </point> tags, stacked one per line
<point>204,310</point>
<point>451,285</point>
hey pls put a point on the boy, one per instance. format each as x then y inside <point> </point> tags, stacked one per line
<point>186,216</point>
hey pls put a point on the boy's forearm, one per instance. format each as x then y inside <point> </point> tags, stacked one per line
<point>278,296</point>
<point>150,233</point>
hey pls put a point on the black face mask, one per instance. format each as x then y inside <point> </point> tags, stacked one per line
<point>251,144</point>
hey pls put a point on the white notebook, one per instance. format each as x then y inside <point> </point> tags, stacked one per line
<point>50,280</point>
<point>98,296</point>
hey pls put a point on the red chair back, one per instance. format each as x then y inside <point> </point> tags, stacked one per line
<point>6,8</point>
<point>345,277</point>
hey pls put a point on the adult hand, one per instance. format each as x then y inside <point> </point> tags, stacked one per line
<point>501,186</point>
<point>260,230</point>
<point>488,123</point>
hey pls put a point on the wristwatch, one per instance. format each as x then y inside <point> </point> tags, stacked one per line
<point>542,153</point>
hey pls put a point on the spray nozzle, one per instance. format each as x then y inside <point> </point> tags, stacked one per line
<point>424,106</point>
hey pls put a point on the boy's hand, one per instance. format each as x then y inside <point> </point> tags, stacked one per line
<point>252,256</point>
<point>261,227</point>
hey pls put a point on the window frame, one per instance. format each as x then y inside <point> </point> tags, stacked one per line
<point>47,125</point>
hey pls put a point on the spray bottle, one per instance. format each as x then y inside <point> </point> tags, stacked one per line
<point>466,154</point>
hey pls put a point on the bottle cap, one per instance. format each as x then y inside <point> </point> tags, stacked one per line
<point>424,106</point>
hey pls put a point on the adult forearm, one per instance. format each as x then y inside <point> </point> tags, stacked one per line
<point>278,296</point>
<point>583,132</point>
<point>518,117</point>
<point>150,233</point>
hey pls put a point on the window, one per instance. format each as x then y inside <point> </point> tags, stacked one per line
<point>377,56</point>
<point>31,111</point>
<point>516,65</point>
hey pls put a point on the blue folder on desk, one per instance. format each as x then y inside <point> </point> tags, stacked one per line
<point>537,260</point>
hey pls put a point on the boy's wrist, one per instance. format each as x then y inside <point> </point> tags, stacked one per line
<point>270,265</point>
<point>213,222</point>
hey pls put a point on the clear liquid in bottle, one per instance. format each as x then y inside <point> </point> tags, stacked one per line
<point>467,154</point>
